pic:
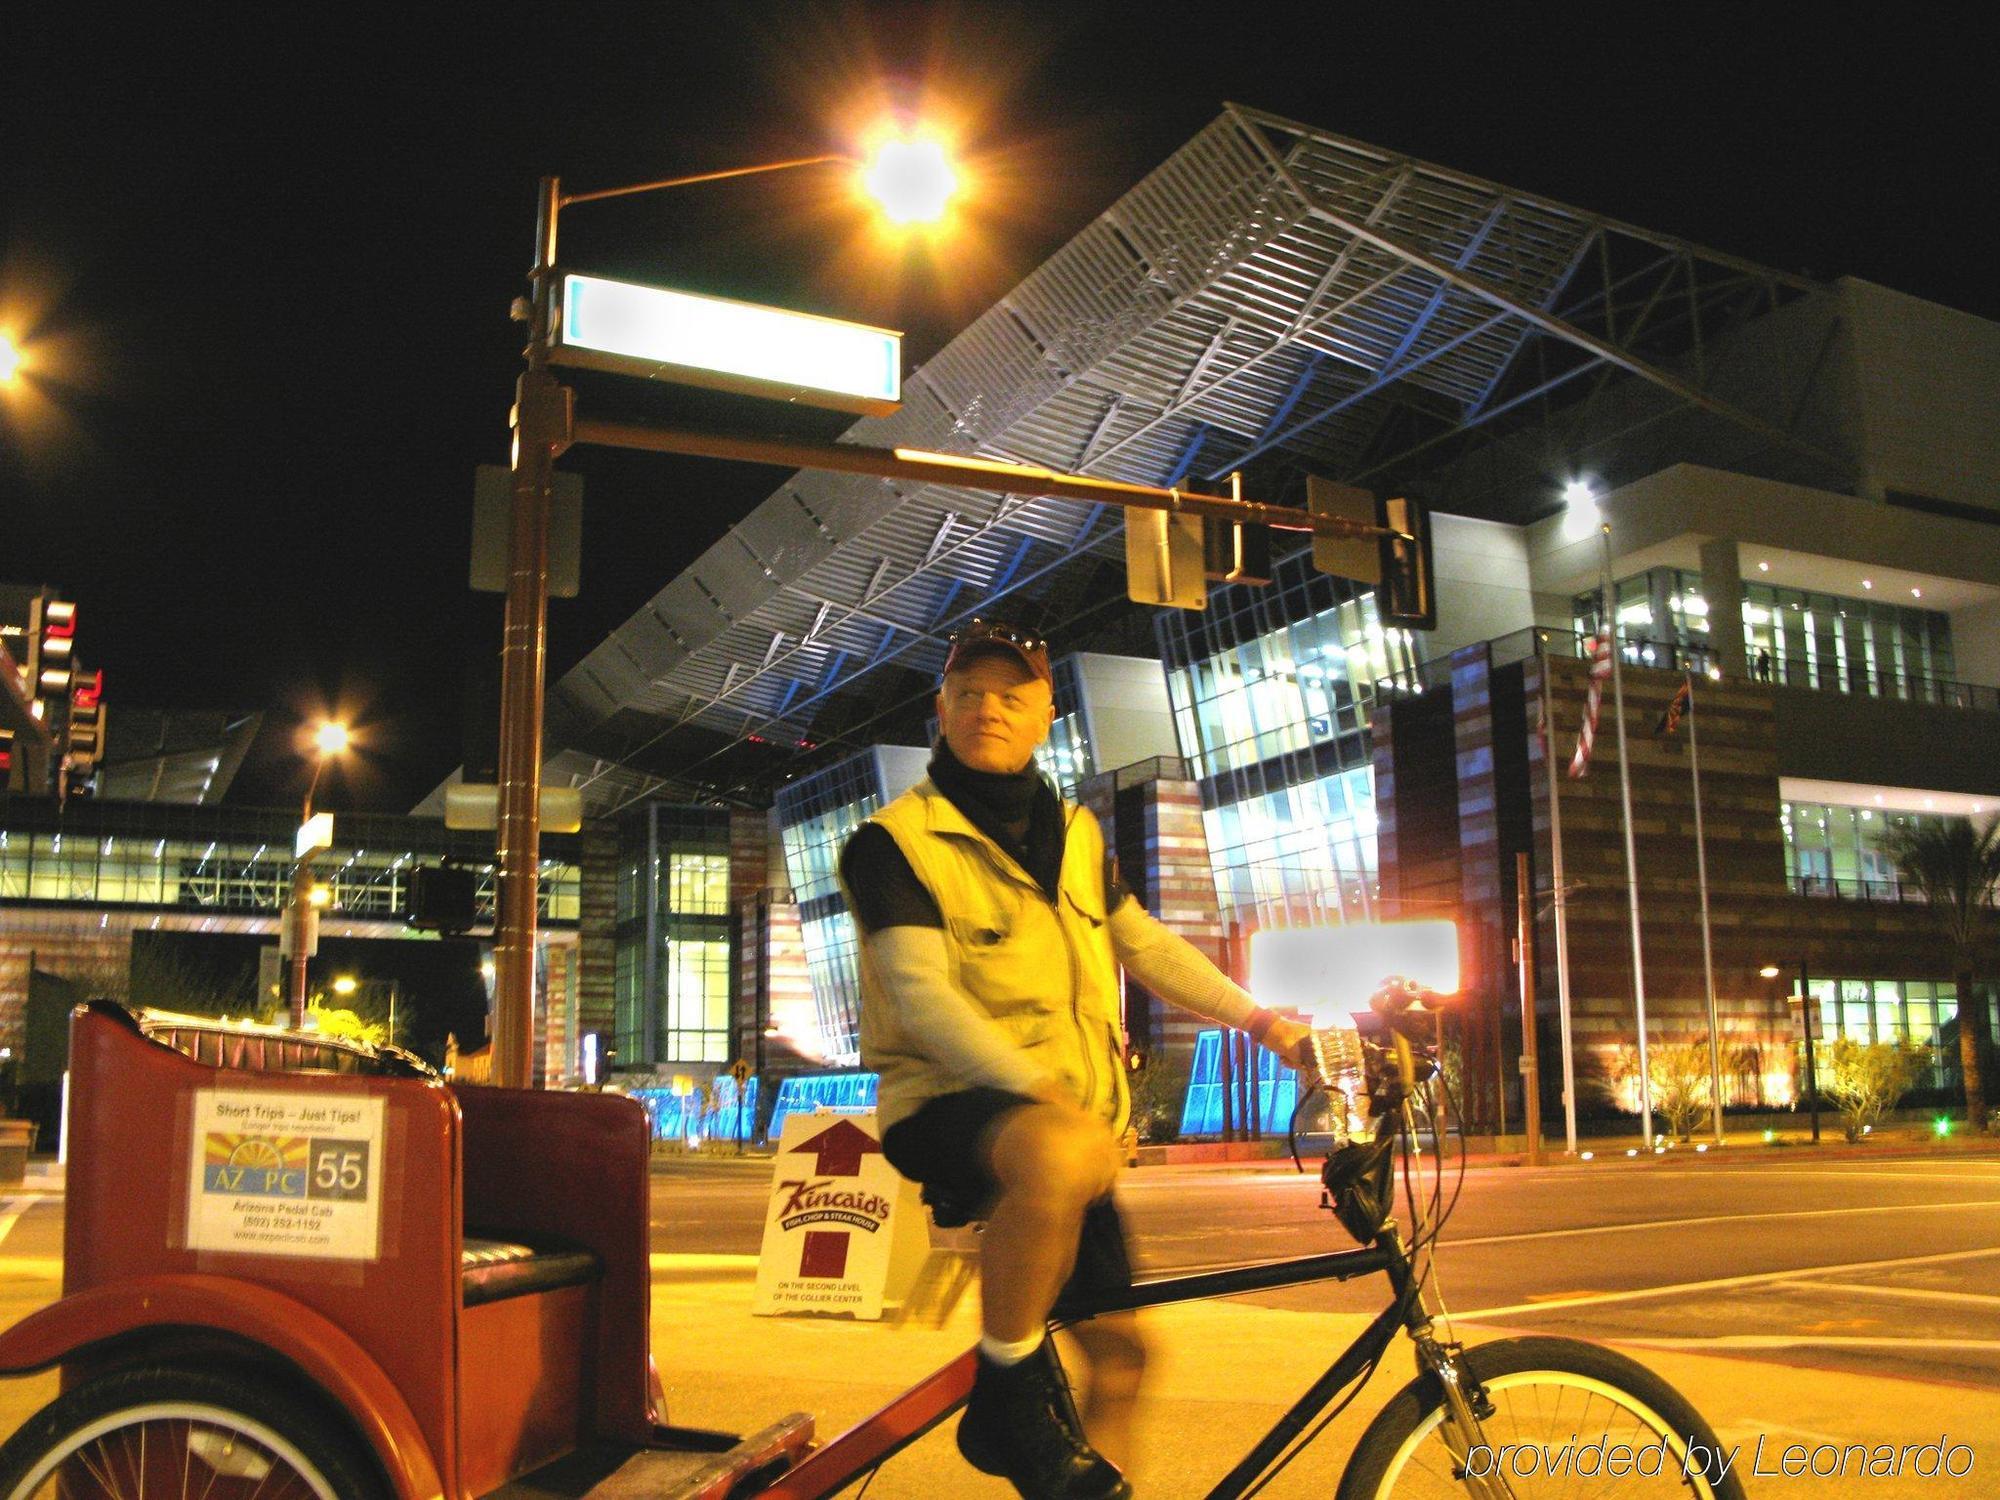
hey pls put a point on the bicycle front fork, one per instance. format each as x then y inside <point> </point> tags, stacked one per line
<point>1465,1402</point>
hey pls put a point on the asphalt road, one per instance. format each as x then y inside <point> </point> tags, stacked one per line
<point>1850,1294</point>
<point>1831,1259</point>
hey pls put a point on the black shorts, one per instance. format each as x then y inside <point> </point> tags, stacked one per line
<point>938,1146</point>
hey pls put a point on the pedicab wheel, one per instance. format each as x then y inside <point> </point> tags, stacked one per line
<point>164,1433</point>
<point>1565,1413</point>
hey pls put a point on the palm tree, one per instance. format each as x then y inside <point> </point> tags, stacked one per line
<point>1955,867</point>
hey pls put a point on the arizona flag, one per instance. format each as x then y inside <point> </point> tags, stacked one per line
<point>1671,719</point>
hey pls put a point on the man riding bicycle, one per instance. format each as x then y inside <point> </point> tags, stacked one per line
<point>993,925</point>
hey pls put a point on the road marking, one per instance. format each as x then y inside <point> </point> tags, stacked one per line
<point>1720,1283</point>
<point>1689,1223</point>
<point>1812,1341</point>
<point>662,1263</point>
<point>1858,1169</point>
<point>1917,1294</point>
<point>11,1210</point>
<point>1528,1235</point>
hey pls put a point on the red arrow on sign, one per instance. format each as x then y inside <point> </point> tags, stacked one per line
<point>840,1148</point>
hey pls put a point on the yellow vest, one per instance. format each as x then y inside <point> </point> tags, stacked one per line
<point>1043,970</point>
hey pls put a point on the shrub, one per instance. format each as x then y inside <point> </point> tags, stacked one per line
<point>1863,1080</point>
<point>1679,1078</point>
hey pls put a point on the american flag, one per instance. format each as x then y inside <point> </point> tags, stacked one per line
<point>1598,648</point>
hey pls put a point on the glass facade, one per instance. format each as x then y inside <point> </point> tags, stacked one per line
<point>816,815</point>
<point>1791,637</point>
<point>674,968</point>
<point>1065,756</point>
<point>1837,851</point>
<point>231,860</point>
<point>1271,690</point>
<point>1895,1010</point>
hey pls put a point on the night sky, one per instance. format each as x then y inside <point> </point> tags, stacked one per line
<point>262,261</point>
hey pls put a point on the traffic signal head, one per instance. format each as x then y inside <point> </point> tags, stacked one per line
<point>444,898</point>
<point>1408,593</point>
<point>1399,566</point>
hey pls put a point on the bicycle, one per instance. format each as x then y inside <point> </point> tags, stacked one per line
<point>1509,1419</point>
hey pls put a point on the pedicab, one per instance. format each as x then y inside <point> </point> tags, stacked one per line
<point>293,1268</point>
<point>299,1271</point>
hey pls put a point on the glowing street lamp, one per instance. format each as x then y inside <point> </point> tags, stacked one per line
<point>911,180</point>
<point>11,360</point>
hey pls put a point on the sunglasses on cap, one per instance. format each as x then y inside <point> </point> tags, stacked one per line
<point>978,637</point>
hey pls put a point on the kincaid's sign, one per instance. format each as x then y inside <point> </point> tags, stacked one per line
<point>820,1202</point>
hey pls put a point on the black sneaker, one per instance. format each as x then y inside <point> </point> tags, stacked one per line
<point>1021,1426</point>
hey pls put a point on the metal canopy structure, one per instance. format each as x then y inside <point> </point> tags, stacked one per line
<point>1272,298</point>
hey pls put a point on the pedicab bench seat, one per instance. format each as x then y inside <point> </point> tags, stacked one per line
<point>495,1269</point>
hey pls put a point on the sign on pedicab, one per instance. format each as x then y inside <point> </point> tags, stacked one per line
<point>844,1231</point>
<point>285,1174</point>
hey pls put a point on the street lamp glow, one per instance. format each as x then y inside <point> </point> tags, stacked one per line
<point>346,984</point>
<point>1581,517</point>
<point>1769,971</point>
<point>912,180</point>
<point>331,738</point>
<point>10,360</point>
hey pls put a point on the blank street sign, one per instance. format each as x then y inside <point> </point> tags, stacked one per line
<point>732,346</point>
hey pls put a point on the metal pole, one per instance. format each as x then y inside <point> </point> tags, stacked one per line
<point>1812,1066</point>
<point>302,903</point>
<point>1631,850</point>
<point>1531,1063</point>
<point>1561,897</point>
<point>1707,941</point>
<point>522,663</point>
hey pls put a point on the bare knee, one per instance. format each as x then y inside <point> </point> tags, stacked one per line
<point>1052,1155</point>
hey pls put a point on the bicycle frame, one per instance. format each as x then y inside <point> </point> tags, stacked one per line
<point>886,1432</point>
<point>882,1435</point>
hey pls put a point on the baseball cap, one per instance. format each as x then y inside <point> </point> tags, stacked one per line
<point>979,637</point>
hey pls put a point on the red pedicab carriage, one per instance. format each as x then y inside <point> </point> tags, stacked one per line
<point>294,1268</point>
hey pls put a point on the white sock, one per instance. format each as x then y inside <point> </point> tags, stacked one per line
<point>1003,1353</point>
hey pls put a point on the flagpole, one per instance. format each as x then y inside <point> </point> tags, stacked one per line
<point>1707,945</point>
<point>1561,897</point>
<point>1631,850</point>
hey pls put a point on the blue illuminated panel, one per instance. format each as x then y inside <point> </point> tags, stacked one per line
<point>1277,1090</point>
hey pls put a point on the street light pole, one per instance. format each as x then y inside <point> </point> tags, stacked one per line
<point>1806,1015</point>
<point>543,422</point>
<point>540,420</point>
<point>330,739</point>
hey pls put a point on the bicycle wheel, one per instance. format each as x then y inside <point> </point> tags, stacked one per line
<point>1568,1418</point>
<point>163,1433</point>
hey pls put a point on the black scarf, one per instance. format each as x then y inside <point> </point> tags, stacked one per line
<point>1018,811</point>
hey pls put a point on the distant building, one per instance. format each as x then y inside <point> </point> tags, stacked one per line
<point>1801,481</point>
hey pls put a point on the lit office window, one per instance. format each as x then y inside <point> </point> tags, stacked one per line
<point>1837,851</point>
<point>1271,691</point>
<point>1792,637</point>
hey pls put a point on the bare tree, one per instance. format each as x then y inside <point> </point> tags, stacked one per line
<point>1955,866</point>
